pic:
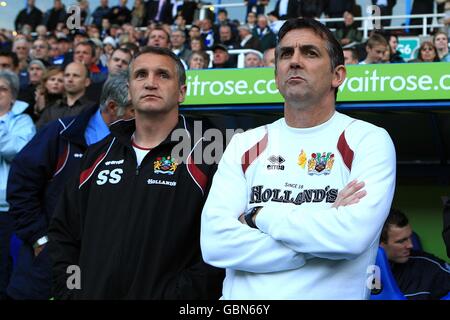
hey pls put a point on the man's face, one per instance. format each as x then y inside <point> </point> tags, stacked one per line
<point>441,42</point>
<point>262,22</point>
<point>35,73</point>
<point>348,57</point>
<point>75,80</point>
<point>83,54</point>
<point>269,58</point>
<point>22,49</point>
<point>177,39</point>
<point>375,54</point>
<point>220,56</point>
<point>304,68</point>
<point>6,99</point>
<point>225,33</point>
<point>54,50</point>
<point>40,50</point>
<point>252,60</point>
<point>194,32</point>
<point>119,61</point>
<point>158,38</point>
<point>154,86</point>
<point>399,244</point>
<point>393,43</point>
<point>6,63</point>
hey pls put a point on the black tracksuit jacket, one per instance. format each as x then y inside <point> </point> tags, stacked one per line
<point>134,231</point>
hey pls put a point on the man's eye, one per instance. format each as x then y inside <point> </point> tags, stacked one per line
<point>286,54</point>
<point>140,75</point>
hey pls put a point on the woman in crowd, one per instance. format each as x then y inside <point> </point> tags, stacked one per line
<point>49,90</point>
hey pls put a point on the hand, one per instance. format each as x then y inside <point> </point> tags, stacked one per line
<point>38,250</point>
<point>242,217</point>
<point>351,194</point>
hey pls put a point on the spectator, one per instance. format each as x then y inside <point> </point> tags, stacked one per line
<point>221,57</point>
<point>138,14</point>
<point>159,37</point>
<point>427,53</point>
<point>256,6</point>
<point>101,12</point>
<point>248,40</point>
<point>251,19</point>
<point>253,60</point>
<point>55,15</point>
<point>440,41</point>
<point>395,54</point>
<point>16,129</point>
<point>36,70</point>
<point>269,57</point>
<point>287,9</point>
<point>226,37</point>
<point>9,61</point>
<point>446,20</point>
<point>350,56</point>
<point>421,7</point>
<point>386,7</point>
<point>85,52</point>
<point>178,40</point>
<point>274,22</point>
<point>41,31</point>
<point>40,50</point>
<point>197,44</point>
<point>336,9</point>
<point>207,33</point>
<point>419,275</point>
<point>38,177</point>
<point>188,9</point>
<point>349,33</point>
<point>194,32</point>
<point>264,34</point>
<point>198,60</point>
<point>120,14</point>
<point>30,16</point>
<point>311,8</point>
<point>376,47</point>
<point>159,11</point>
<point>76,80</point>
<point>49,90</point>
<point>22,48</point>
<point>387,55</point>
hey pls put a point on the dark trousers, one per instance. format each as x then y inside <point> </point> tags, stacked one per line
<point>6,230</point>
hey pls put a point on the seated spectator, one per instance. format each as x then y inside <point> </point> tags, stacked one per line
<point>253,60</point>
<point>264,34</point>
<point>247,39</point>
<point>36,71</point>
<point>269,58</point>
<point>86,53</point>
<point>419,275</point>
<point>387,55</point>
<point>349,33</point>
<point>350,56</point>
<point>221,57</point>
<point>138,13</point>
<point>226,37</point>
<point>440,41</point>
<point>198,60</point>
<point>376,47</point>
<point>395,54</point>
<point>16,129</point>
<point>446,230</point>
<point>49,90</point>
<point>427,53</point>
<point>250,20</point>
<point>196,44</point>
<point>40,51</point>
<point>178,40</point>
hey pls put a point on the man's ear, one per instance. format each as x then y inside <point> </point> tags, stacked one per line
<point>339,74</point>
<point>182,96</point>
<point>87,82</point>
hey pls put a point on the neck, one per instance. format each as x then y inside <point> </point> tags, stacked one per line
<point>153,129</point>
<point>301,116</point>
<point>72,98</point>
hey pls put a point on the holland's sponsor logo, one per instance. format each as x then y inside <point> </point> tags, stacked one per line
<point>162,182</point>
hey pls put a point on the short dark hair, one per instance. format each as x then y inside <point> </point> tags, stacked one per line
<point>164,52</point>
<point>333,47</point>
<point>395,218</point>
<point>353,52</point>
<point>90,44</point>
<point>12,55</point>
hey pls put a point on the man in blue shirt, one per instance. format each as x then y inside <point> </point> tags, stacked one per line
<point>38,175</point>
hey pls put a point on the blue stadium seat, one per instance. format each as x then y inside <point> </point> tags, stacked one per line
<point>417,244</point>
<point>389,287</point>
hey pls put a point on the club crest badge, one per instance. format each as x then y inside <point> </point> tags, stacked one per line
<point>165,165</point>
<point>320,163</point>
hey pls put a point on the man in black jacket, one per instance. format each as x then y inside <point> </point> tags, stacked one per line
<point>419,275</point>
<point>128,225</point>
<point>31,16</point>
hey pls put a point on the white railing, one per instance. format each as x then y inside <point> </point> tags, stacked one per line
<point>211,7</point>
<point>240,52</point>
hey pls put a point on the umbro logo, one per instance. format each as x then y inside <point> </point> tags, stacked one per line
<point>276,163</point>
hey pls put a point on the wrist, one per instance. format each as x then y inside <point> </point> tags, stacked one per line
<point>250,217</point>
<point>40,242</point>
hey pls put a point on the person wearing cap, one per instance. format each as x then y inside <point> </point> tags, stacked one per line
<point>221,57</point>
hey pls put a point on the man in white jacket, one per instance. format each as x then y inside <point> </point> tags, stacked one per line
<point>296,207</point>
